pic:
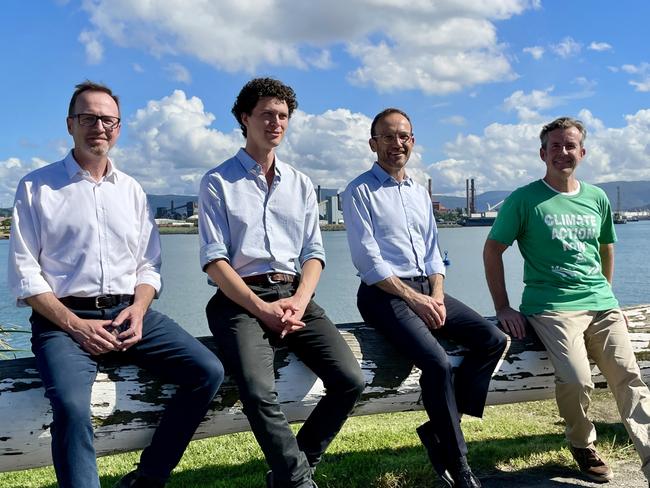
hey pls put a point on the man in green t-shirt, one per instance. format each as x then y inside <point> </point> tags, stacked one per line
<point>566,236</point>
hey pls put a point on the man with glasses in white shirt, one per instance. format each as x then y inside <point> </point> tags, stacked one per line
<point>85,255</point>
<point>394,245</point>
<point>257,217</point>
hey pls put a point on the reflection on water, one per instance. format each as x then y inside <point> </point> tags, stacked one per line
<point>186,292</point>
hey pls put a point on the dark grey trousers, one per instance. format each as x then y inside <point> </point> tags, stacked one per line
<point>247,349</point>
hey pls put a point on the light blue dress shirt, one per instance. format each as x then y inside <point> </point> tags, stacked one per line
<point>391,228</point>
<point>257,229</point>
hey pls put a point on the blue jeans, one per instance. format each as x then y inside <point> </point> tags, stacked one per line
<point>248,349</point>
<point>445,395</point>
<point>68,373</point>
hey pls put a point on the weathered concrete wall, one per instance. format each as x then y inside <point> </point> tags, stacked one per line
<point>127,401</point>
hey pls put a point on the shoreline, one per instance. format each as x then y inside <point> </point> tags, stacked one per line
<point>173,230</point>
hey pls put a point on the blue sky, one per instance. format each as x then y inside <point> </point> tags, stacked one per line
<point>479,79</point>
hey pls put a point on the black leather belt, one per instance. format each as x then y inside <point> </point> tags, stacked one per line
<point>269,279</point>
<point>416,279</point>
<point>95,303</point>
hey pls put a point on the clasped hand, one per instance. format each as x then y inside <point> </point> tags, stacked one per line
<point>283,316</point>
<point>101,336</point>
<point>430,310</point>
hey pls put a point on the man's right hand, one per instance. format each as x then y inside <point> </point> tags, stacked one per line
<point>279,317</point>
<point>431,311</point>
<point>512,321</point>
<point>94,336</point>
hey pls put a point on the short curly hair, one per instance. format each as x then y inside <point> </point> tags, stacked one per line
<point>258,88</point>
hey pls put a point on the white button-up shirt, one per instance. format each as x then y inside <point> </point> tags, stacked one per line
<point>257,229</point>
<point>391,227</point>
<point>74,236</point>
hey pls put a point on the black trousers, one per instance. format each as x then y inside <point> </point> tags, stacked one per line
<point>247,349</point>
<point>445,394</point>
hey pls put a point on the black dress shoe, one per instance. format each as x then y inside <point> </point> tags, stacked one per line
<point>430,441</point>
<point>466,479</point>
<point>135,479</point>
<point>270,484</point>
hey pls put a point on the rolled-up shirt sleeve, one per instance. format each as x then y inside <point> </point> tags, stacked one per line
<point>23,270</point>
<point>312,244</point>
<point>148,257</point>
<point>213,223</point>
<point>433,263</point>
<point>365,252</point>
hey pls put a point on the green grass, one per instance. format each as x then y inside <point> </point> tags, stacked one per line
<point>382,451</point>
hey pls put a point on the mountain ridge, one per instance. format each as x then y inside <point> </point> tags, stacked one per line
<point>635,195</point>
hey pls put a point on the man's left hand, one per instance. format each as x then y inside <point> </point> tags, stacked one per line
<point>130,320</point>
<point>293,307</point>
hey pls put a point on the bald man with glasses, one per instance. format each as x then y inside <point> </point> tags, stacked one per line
<point>393,241</point>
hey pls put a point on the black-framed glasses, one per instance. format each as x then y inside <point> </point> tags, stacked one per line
<point>89,120</point>
<point>403,137</point>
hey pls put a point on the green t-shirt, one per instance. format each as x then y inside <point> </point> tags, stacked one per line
<point>559,237</point>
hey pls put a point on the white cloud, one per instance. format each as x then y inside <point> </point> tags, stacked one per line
<point>630,68</point>
<point>436,47</point>
<point>528,105</point>
<point>567,48</point>
<point>179,73</point>
<point>535,51</point>
<point>506,156</point>
<point>585,83</point>
<point>11,171</point>
<point>137,68</point>
<point>642,84</point>
<point>455,120</point>
<point>172,145</point>
<point>322,60</point>
<point>600,46</point>
<point>93,47</point>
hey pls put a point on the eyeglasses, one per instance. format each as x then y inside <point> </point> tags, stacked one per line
<point>89,120</point>
<point>403,137</point>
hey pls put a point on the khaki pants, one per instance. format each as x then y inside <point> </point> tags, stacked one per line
<point>571,339</point>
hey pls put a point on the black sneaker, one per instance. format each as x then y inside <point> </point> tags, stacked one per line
<point>135,479</point>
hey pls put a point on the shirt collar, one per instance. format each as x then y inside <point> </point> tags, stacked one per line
<point>250,165</point>
<point>382,176</point>
<point>73,168</point>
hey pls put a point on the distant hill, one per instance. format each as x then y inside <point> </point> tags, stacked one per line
<point>634,195</point>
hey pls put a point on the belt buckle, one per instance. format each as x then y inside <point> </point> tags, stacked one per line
<point>103,301</point>
<point>270,280</point>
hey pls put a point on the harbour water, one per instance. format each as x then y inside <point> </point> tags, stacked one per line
<point>186,291</point>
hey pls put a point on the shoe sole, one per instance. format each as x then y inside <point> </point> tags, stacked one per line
<point>599,479</point>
